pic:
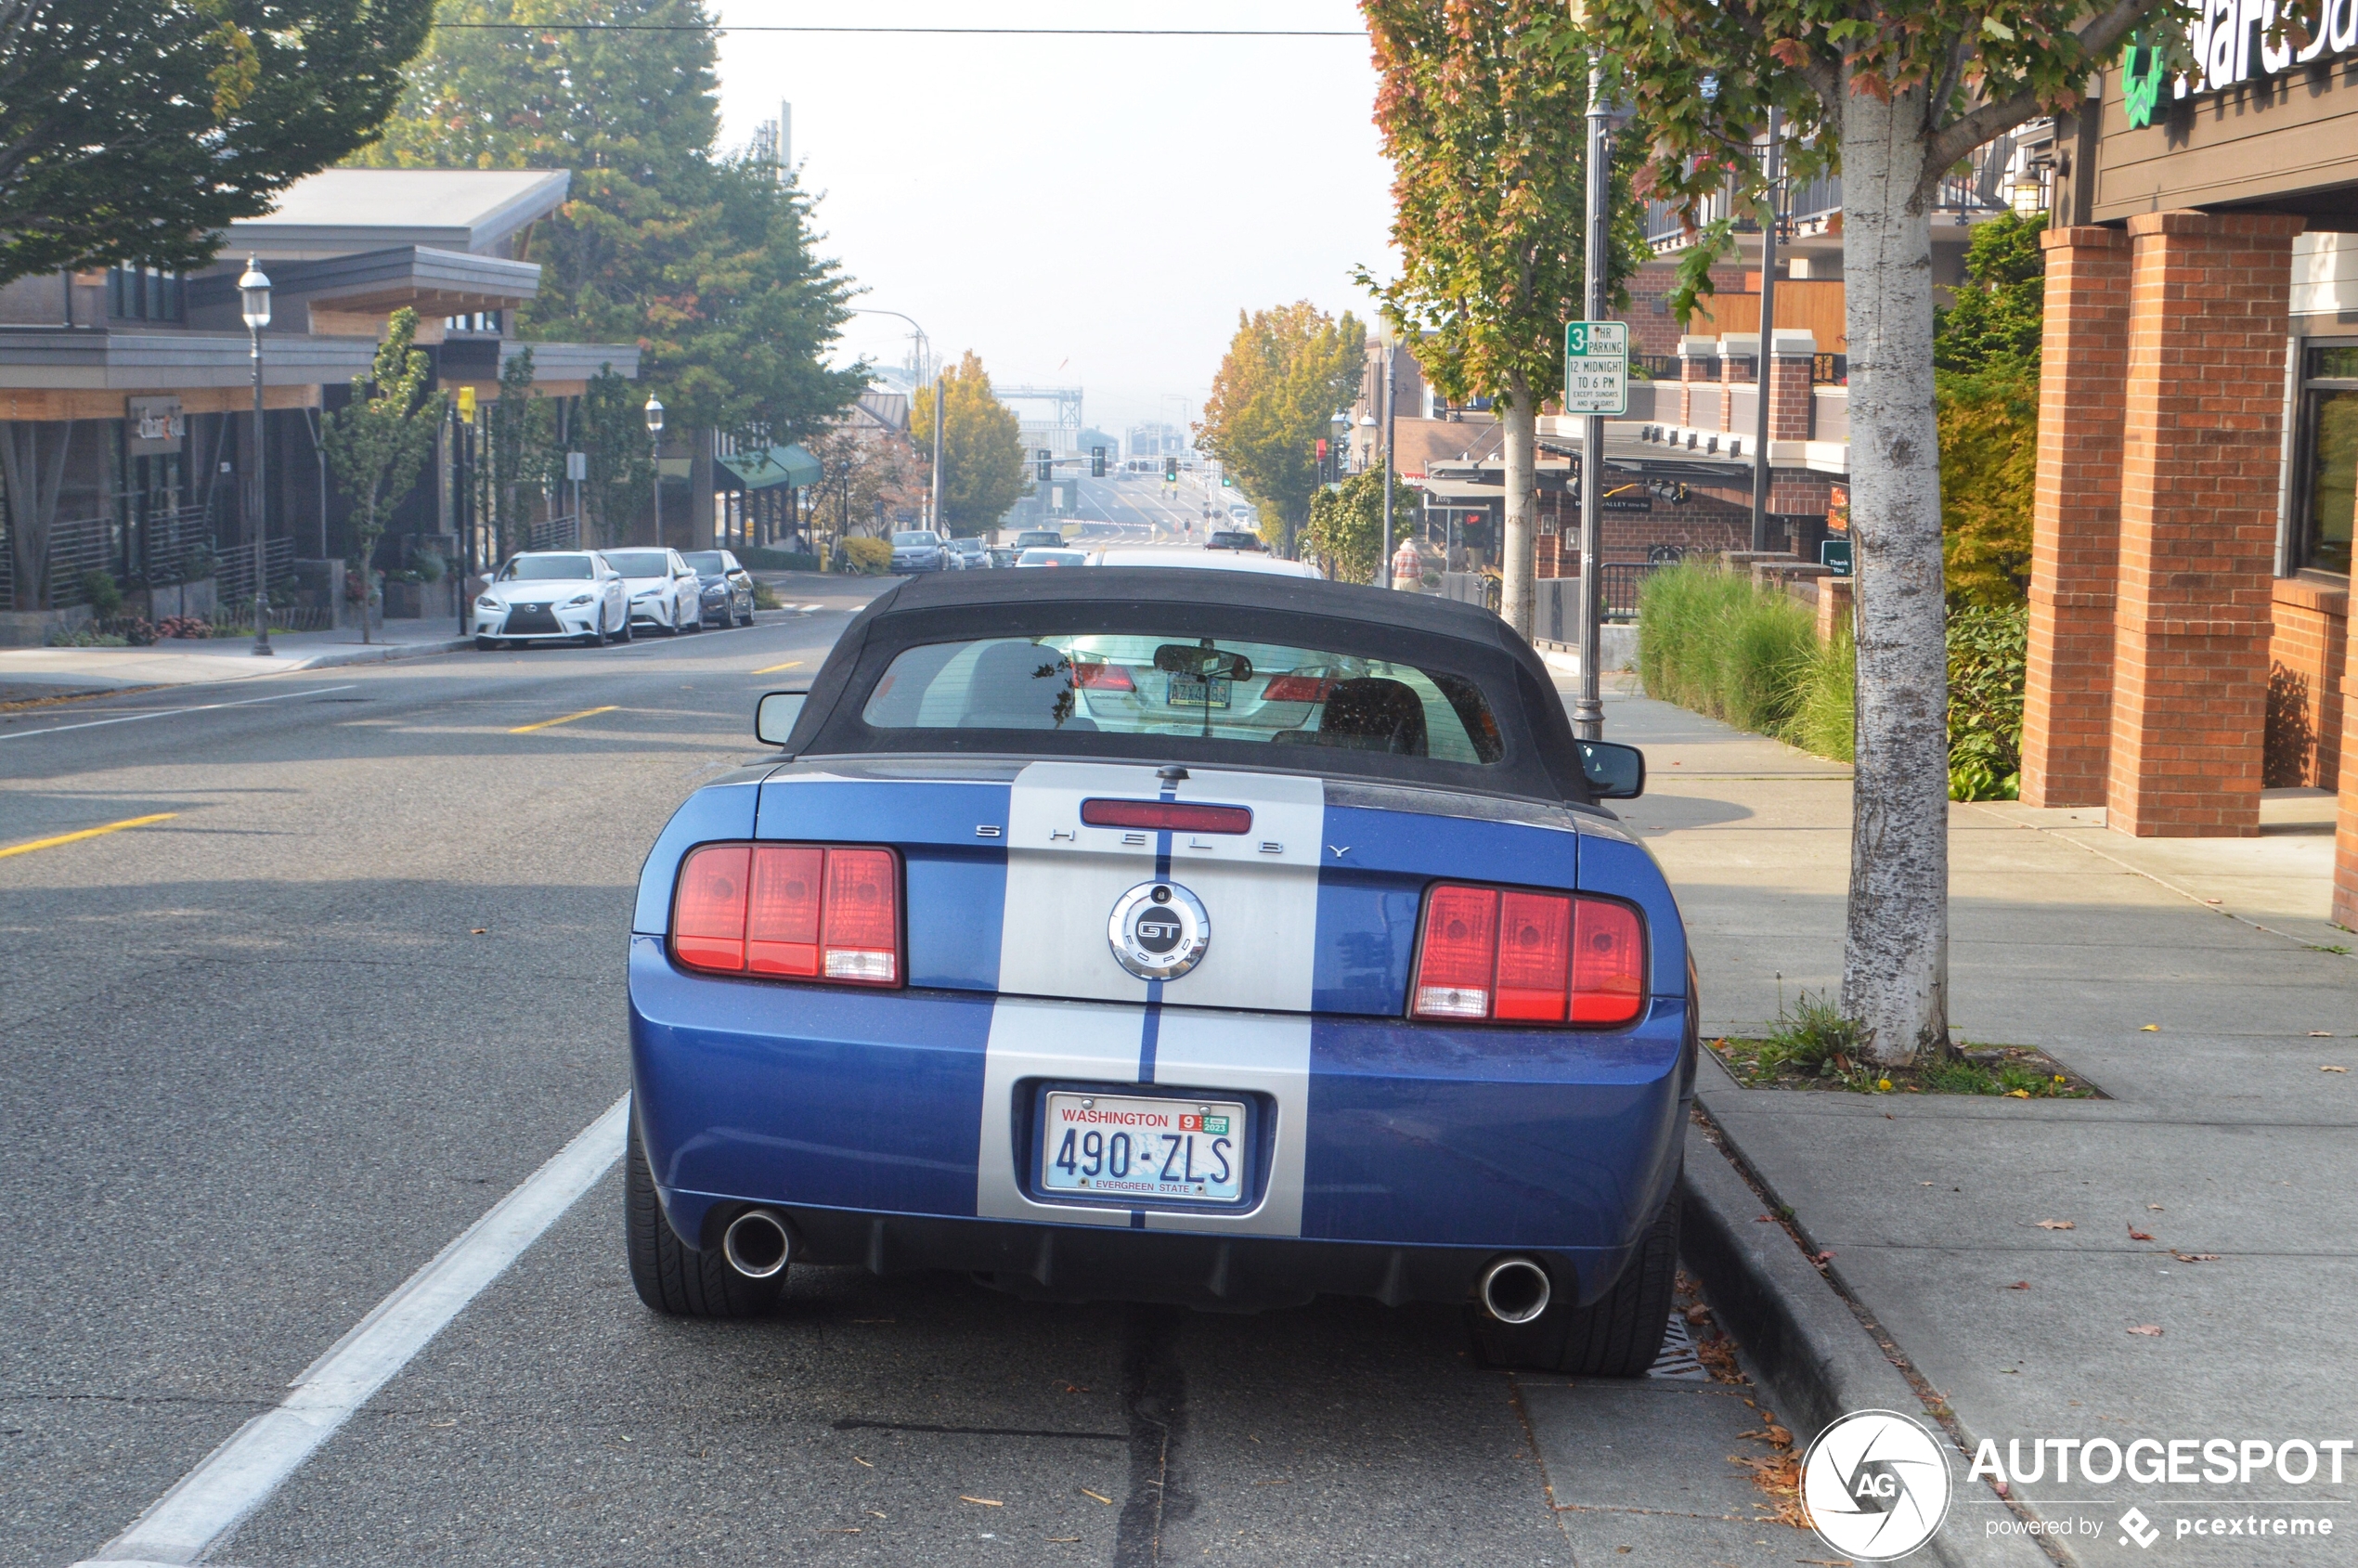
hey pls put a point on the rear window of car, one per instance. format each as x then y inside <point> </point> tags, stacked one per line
<point>708,562</point>
<point>914,541</point>
<point>1205,688</point>
<point>1053,558</point>
<point>639,562</point>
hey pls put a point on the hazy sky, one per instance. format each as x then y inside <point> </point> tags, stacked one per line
<point>1087,212</point>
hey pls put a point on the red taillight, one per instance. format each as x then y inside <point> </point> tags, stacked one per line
<point>1296,688</point>
<point>1103,678</point>
<point>792,910</point>
<point>1525,957</point>
<point>1175,816</point>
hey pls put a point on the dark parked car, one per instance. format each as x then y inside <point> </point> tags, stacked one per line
<point>1234,538</point>
<point>726,588</point>
<point>970,555</point>
<point>920,549</point>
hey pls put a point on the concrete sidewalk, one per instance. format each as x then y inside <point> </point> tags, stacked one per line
<point>2222,1135</point>
<point>33,673</point>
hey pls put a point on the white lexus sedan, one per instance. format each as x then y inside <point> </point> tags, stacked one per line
<point>665,592</point>
<point>553,595</point>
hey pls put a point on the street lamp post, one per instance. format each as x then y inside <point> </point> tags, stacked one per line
<point>253,293</point>
<point>654,453</point>
<point>1588,708</point>
<point>1392,353</point>
<point>925,352</point>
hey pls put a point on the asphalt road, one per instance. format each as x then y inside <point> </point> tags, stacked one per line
<point>263,1058</point>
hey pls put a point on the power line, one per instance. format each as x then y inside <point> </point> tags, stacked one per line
<point>989,32</point>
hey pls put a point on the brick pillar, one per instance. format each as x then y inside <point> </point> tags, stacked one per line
<point>2207,298</point>
<point>1739,355</point>
<point>2346,832</point>
<point>2066,718</point>
<point>1791,402</point>
<point>1698,361</point>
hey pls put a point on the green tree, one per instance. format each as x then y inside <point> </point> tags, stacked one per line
<point>1483,123</point>
<point>1286,372</point>
<point>703,261</point>
<point>136,131</point>
<point>982,467</point>
<point>377,443</point>
<point>620,458</point>
<point>1346,522</point>
<point>1985,349</point>
<point>1896,93</point>
<point>1995,318</point>
<point>518,451</point>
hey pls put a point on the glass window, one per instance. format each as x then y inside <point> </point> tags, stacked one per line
<point>914,540</point>
<point>708,562</point>
<point>1214,689</point>
<point>639,562</point>
<point>538,568</point>
<point>2328,458</point>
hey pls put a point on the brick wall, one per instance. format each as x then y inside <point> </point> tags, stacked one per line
<point>2307,639</point>
<point>2067,725</point>
<point>2208,297</point>
<point>1791,401</point>
<point>1652,329</point>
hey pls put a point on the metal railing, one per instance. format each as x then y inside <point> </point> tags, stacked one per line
<point>171,541</point>
<point>234,578</point>
<point>1656,366</point>
<point>1622,580</point>
<point>76,545</point>
<point>554,533</point>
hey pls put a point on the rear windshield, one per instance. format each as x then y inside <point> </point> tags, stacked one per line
<point>913,540</point>
<point>708,562</point>
<point>1053,558</point>
<point>538,568</point>
<point>639,562</point>
<point>1198,687</point>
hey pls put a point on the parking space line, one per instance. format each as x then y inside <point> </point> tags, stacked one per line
<point>85,833</point>
<point>553,723</point>
<point>168,712</point>
<point>238,1477</point>
<point>775,668</point>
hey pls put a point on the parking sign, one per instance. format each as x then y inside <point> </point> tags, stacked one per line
<point>1596,368</point>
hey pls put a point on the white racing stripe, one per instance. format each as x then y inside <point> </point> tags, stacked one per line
<point>238,1477</point>
<point>168,712</point>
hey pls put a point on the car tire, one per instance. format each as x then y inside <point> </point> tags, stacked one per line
<point>1618,1336</point>
<point>625,634</point>
<point>746,619</point>
<point>669,1275</point>
<point>672,629</point>
<point>485,645</point>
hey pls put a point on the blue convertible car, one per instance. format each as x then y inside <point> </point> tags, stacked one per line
<point>1191,937</point>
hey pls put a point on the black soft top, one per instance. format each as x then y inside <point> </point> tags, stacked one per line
<point>1542,760</point>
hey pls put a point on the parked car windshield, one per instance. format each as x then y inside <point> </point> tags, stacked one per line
<point>917,540</point>
<point>536,568</point>
<point>708,562</point>
<point>1053,558</point>
<point>1152,684</point>
<point>639,562</point>
<point>1030,537</point>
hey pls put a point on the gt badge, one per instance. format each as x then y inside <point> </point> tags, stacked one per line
<point>1159,930</point>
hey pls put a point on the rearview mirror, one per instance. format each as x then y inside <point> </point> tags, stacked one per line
<point>1614,772</point>
<point>774,719</point>
<point>1185,658</point>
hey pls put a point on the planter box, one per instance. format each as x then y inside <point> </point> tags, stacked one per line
<point>196,597</point>
<point>319,586</point>
<point>410,601</point>
<point>31,629</point>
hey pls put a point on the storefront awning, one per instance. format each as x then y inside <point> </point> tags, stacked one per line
<point>767,466</point>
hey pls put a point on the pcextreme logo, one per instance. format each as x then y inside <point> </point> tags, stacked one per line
<point>1875,1484</point>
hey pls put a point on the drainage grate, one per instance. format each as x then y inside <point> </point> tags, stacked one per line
<point>1677,1358</point>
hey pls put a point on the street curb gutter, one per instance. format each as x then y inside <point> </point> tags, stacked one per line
<point>379,654</point>
<point>1820,1364</point>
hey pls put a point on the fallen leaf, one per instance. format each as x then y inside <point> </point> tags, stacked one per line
<point>2194,1257</point>
<point>1099,1495</point>
<point>2321,1034</point>
<point>2333,1069</point>
<point>480,932</point>
<point>2155,1207</point>
<point>1079,1388</point>
<point>2020,1285</point>
<point>2017,1094</point>
<point>994,1502</point>
<point>2151,1330</point>
<point>2057,1225</point>
<point>872,1511</point>
<point>845,1530</point>
<point>1763,1219</point>
<point>856,1458</point>
<point>449,1423</point>
<point>2136,1235</point>
<point>1069,1538</point>
<point>1821,1258</point>
<point>1697,1312</point>
<point>2149,1028</point>
<point>2210,901</point>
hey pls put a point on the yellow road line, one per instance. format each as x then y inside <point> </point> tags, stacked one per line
<point>552,723</point>
<point>775,668</point>
<point>85,833</point>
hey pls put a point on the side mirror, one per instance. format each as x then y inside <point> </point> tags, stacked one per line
<point>774,719</point>
<point>1614,772</point>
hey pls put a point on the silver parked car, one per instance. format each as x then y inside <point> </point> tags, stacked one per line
<point>969,555</point>
<point>553,595</point>
<point>665,592</point>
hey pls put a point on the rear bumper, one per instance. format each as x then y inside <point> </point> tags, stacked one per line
<point>893,1128</point>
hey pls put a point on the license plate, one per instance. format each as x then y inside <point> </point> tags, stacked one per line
<point>1199,691</point>
<point>1108,1145</point>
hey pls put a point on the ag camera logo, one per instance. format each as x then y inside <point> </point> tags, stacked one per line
<point>1877,1485</point>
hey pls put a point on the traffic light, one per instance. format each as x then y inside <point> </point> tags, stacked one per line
<point>1171,470</point>
<point>1097,462</point>
<point>1322,459</point>
<point>1225,482</point>
<point>1047,462</point>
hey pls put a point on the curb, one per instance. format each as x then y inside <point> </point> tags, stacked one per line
<point>383,652</point>
<point>1820,1363</point>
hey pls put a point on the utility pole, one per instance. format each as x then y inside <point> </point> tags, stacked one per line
<point>1391,354</point>
<point>1588,708</point>
<point>1762,371</point>
<point>933,507</point>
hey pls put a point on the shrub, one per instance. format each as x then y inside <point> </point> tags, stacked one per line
<point>183,626</point>
<point>868,557</point>
<point>105,596</point>
<point>1825,716</point>
<point>1987,652</point>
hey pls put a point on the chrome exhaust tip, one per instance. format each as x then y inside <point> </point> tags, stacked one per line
<point>758,1244</point>
<point>1515,1289</point>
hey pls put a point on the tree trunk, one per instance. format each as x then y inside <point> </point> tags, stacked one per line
<point>1895,970</point>
<point>33,478</point>
<point>1518,551</point>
